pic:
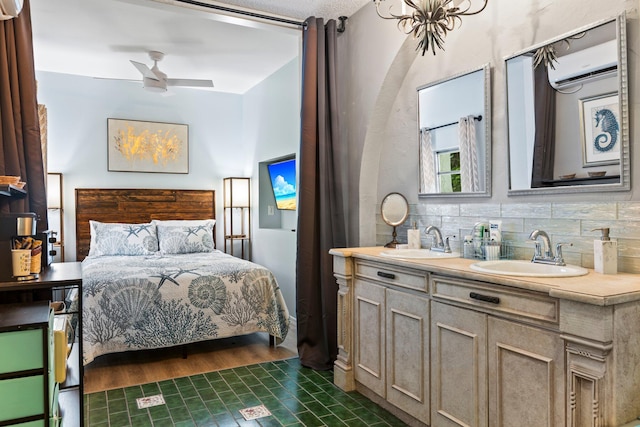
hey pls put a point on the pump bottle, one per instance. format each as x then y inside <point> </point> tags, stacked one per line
<point>605,253</point>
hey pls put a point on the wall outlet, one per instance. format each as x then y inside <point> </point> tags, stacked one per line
<point>270,210</point>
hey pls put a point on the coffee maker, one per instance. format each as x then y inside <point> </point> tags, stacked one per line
<point>16,226</point>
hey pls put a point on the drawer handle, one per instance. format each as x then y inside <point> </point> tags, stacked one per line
<point>485,298</point>
<point>386,275</point>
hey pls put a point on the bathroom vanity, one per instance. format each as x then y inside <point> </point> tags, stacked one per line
<point>440,344</point>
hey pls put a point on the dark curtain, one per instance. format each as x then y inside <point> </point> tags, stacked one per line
<point>321,222</point>
<point>544,146</point>
<point>20,149</point>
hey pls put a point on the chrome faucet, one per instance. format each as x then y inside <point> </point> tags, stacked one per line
<point>440,244</point>
<point>548,252</point>
<point>547,257</point>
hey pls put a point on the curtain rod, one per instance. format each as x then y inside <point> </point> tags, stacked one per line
<point>243,12</point>
<point>478,118</point>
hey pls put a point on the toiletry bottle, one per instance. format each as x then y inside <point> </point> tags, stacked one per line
<point>413,237</point>
<point>492,250</point>
<point>495,230</point>
<point>605,253</point>
<point>478,238</point>
<point>467,247</point>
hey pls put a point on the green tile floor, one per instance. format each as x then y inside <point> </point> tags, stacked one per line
<point>295,396</point>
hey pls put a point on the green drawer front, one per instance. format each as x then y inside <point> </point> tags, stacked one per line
<point>21,397</point>
<point>39,423</point>
<point>20,350</point>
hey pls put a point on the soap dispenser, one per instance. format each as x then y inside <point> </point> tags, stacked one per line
<point>605,253</point>
<point>413,237</point>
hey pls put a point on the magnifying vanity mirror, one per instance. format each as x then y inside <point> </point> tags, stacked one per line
<point>568,113</point>
<point>454,118</point>
<point>395,211</point>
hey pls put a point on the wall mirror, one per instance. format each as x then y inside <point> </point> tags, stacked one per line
<point>454,119</point>
<point>394,210</point>
<point>568,113</point>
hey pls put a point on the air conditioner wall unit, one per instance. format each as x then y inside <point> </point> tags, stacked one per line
<point>590,64</point>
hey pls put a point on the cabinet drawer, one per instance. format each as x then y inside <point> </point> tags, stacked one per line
<point>393,275</point>
<point>21,397</point>
<point>21,350</point>
<point>520,304</point>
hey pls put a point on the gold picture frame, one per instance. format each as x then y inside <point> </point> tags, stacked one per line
<point>142,146</point>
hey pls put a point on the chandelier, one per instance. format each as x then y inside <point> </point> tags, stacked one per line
<point>548,54</point>
<point>430,20</point>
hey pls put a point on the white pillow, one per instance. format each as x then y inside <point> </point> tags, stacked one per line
<point>122,239</point>
<point>185,237</point>
<point>184,222</point>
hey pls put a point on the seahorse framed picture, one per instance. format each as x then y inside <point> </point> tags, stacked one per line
<point>600,130</point>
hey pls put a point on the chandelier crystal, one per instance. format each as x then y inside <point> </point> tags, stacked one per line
<point>431,20</point>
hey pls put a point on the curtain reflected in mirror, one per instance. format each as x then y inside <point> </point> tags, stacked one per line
<point>544,145</point>
<point>455,135</point>
<point>567,125</point>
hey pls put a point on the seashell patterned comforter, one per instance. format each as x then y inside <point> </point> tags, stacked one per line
<point>156,301</point>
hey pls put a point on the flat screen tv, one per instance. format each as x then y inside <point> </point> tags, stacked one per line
<point>282,175</point>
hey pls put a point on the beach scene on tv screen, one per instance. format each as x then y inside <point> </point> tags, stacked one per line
<point>283,182</point>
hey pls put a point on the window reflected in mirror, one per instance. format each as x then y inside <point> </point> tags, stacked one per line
<point>454,119</point>
<point>448,172</point>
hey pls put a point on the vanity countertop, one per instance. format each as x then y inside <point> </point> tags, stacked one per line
<point>592,288</point>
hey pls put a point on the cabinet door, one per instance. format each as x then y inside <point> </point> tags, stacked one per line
<point>407,317</point>
<point>458,366</point>
<point>369,335</point>
<point>526,383</point>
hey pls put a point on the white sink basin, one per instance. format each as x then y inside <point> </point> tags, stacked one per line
<point>418,254</point>
<point>528,269</point>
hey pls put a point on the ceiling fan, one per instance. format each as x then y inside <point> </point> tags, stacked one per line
<point>155,80</point>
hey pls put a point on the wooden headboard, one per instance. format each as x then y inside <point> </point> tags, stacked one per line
<point>137,206</point>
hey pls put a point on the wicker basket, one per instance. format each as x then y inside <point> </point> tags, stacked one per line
<point>36,260</point>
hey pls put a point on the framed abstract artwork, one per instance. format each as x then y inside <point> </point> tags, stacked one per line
<point>140,146</point>
<point>600,130</point>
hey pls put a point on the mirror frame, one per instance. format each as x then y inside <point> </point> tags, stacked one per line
<point>486,117</point>
<point>406,213</point>
<point>625,165</point>
<point>394,242</point>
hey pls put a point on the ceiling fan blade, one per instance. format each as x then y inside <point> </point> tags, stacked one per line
<point>146,71</point>
<point>116,79</point>
<point>189,82</point>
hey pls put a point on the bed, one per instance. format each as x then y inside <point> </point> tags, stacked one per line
<point>152,277</point>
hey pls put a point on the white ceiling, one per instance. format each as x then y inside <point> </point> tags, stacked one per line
<point>97,38</point>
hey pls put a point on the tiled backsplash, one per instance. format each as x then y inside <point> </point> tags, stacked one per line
<point>564,222</point>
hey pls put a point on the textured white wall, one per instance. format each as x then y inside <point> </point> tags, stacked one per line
<point>385,71</point>
<point>272,126</point>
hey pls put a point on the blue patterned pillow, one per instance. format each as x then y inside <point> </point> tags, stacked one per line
<point>186,238</point>
<point>122,239</point>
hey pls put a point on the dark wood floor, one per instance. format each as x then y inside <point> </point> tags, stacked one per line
<point>141,367</point>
